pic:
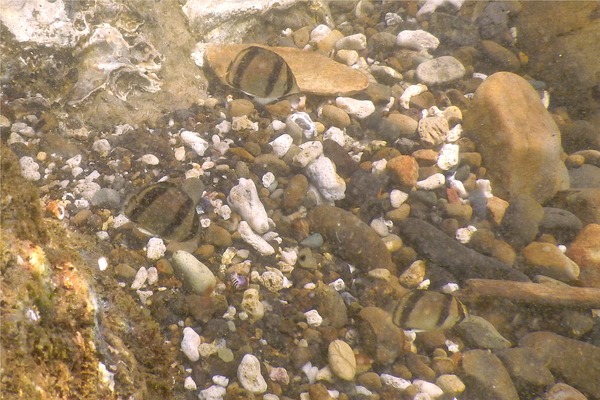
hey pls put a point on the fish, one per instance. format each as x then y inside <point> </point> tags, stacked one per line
<point>425,310</point>
<point>165,210</point>
<point>262,74</point>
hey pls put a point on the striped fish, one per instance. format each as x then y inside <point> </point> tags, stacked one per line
<point>163,209</point>
<point>426,310</point>
<point>262,74</point>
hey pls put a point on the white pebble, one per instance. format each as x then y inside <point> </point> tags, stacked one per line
<point>356,42</point>
<point>220,380</point>
<point>321,172</point>
<point>254,240</point>
<point>189,383</point>
<point>281,144</point>
<point>348,57</point>
<point>249,375</point>
<point>448,156</point>
<point>179,153</point>
<point>484,187</point>
<point>277,125</point>
<point>358,108</point>
<point>336,134</point>
<point>464,235</point>
<point>190,343</point>
<point>74,161</point>
<point>29,169</point>
<point>244,199</point>
<point>417,40</point>
<point>252,305</point>
<point>140,278</point>
<point>152,276</point>
<point>155,248</point>
<point>214,392</point>
<point>268,179</point>
<point>310,372</point>
<point>197,276</point>
<point>23,129</point>
<point>313,318</point>
<point>194,141</point>
<point>243,123</point>
<point>289,256</point>
<point>309,152</point>
<point>338,285</point>
<point>149,159</point>
<point>379,167</point>
<point>394,381</point>
<point>144,295</point>
<point>428,388</point>
<point>380,227</point>
<point>433,182</point>
<point>300,123</point>
<point>223,127</point>
<point>409,92</point>
<point>279,375</point>
<point>319,33</point>
<point>101,146</point>
<point>102,263</point>
<point>454,134</point>
<point>397,198</point>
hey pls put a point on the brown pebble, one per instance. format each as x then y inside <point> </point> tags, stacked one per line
<point>81,217</point>
<point>500,56</point>
<point>381,339</point>
<point>240,107</point>
<point>241,153</point>
<point>335,116</point>
<point>370,380</point>
<point>163,266</point>
<point>419,368</point>
<point>295,191</point>
<point>301,37</point>
<point>125,271</point>
<point>318,391</point>
<point>217,235</point>
<point>404,170</point>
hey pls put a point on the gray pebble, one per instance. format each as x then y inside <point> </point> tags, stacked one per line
<point>479,333</point>
<point>521,221</point>
<point>528,371</point>
<point>486,377</point>
<point>440,71</point>
<point>106,198</point>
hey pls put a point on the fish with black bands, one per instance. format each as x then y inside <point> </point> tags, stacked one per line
<point>163,209</point>
<point>425,310</point>
<point>262,74</point>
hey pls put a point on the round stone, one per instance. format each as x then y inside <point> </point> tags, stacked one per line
<point>440,71</point>
<point>342,360</point>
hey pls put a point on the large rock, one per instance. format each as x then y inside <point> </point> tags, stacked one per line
<point>563,34</point>
<point>486,377</point>
<point>517,137</point>
<point>578,363</point>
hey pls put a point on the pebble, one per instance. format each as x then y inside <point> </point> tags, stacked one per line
<point>417,40</point>
<point>528,371</point>
<point>563,356</point>
<point>149,159</point>
<point>189,383</point>
<point>500,56</point>
<point>347,57</point>
<point>313,318</point>
<point>240,107</point>
<point>197,276</point>
<point>479,333</point>
<point>398,197</point>
<point>194,142</point>
<point>487,377</point>
<point>450,384</point>
<point>394,381</point>
<point>431,389</point>
<point>380,338</point>
<point>217,236</point>
<point>357,108</point>
<point>342,360</point>
<point>249,375</point>
<point>155,249</point>
<point>356,42</point>
<point>585,251</point>
<point>254,240</point>
<point>433,130</point>
<point>29,169</point>
<point>547,259</point>
<point>461,261</point>
<point>252,305</point>
<point>318,391</point>
<point>404,170</point>
<point>586,176</point>
<point>440,71</point>
<point>140,278</point>
<point>335,116</point>
<point>106,198</point>
<point>281,144</point>
<point>330,305</point>
<point>516,143</point>
<point>410,92</point>
<point>101,146</point>
<point>352,239</point>
<point>300,125</point>
<point>386,75</point>
<point>396,126</point>
<point>244,199</point>
<point>448,156</point>
<point>190,343</point>
<point>214,392</point>
<point>435,181</point>
<point>521,221</point>
<point>309,151</point>
<point>414,274</point>
<point>322,173</point>
<point>319,32</point>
